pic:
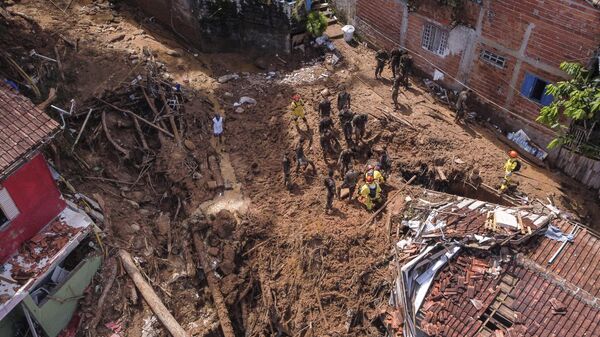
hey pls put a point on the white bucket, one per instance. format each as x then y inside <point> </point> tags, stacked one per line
<point>348,32</point>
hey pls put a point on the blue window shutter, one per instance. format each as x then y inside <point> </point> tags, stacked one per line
<point>527,85</point>
<point>547,98</point>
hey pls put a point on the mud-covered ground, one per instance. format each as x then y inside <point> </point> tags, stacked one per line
<point>285,265</point>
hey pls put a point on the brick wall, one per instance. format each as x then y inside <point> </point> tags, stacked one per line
<point>551,31</point>
<point>379,21</point>
<point>491,80</point>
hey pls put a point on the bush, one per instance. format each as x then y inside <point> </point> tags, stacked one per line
<point>316,23</point>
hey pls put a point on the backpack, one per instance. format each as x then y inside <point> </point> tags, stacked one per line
<point>517,167</point>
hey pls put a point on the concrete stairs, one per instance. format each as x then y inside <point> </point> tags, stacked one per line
<point>323,6</point>
<point>334,30</point>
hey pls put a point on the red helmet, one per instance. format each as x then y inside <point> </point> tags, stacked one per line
<point>513,154</point>
<point>370,179</point>
<point>296,97</point>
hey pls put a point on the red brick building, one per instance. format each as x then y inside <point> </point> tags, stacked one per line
<point>507,51</point>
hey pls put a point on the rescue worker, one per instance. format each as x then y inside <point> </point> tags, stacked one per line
<point>380,57</point>
<point>343,101</point>
<point>325,107</point>
<point>286,165</point>
<point>370,193</point>
<point>297,107</point>
<point>326,123</point>
<point>350,181</point>
<point>375,172</point>
<point>511,165</point>
<point>345,115</point>
<point>347,128</point>
<point>345,160</point>
<point>328,141</point>
<point>330,187</point>
<point>461,105</point>
<point>395,61</point>
<point>475,178</point>
<point>406,65</point>
<point>385,161</point>
<point>301,159</point>
<point>396,90</point>
<point>359,125</point>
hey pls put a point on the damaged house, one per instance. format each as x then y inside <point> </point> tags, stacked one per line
<point>471,268</point>
<point>45,261</point>
<point>506,51</point>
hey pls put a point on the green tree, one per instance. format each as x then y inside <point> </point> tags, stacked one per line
<point>578,99</point>
<point>316,23</point>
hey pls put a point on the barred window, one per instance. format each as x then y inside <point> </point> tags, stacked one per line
<point>493,59</point>
<point>435,39</point>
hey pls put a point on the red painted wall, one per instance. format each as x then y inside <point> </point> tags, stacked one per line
<point>38,199</point>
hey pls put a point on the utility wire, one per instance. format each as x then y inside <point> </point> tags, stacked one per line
<point>477,92</point>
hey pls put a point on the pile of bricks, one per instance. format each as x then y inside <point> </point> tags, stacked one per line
<point>462,278</point>
<point>393,319</point>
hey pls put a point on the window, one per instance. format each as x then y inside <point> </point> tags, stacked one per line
<point>493,59</point>
<point>534,88</point>
<point>435,39</point>
<point>8,209</point>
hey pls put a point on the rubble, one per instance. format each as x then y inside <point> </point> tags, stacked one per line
<point>283,268</point>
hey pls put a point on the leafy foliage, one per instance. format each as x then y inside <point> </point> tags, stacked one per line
<point>577,99</point>
<point>316,23</point>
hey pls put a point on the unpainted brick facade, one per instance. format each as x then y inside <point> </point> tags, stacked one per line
<point>532,36</point>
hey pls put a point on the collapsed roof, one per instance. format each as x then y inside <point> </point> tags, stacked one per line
<point>489,270</point>
<point>38,257</point>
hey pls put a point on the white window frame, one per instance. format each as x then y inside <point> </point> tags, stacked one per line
<point>434,39</point>
<point>492,58</point>
<point>8,207</point>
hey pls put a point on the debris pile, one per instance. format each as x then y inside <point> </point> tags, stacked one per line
<point>476,268</point>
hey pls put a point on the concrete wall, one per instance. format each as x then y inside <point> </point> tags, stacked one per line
<point>345,11</point>
<point>227,25</point>
<point>534,36</point>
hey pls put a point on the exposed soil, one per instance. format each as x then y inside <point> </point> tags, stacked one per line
<point>286,267</point>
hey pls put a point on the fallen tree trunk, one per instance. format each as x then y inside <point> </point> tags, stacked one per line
<point>213,284</point>
<point>110,139</point>
<point>137,117</point>
<point>150,296</point>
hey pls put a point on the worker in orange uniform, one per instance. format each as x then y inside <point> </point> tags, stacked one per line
<point>511,165</point>
<point>297,107</point>
<point>370,193</point>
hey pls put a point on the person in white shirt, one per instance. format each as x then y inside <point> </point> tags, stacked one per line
<point>218,127</point>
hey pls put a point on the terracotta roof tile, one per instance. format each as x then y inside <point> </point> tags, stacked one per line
<point>22,126</point>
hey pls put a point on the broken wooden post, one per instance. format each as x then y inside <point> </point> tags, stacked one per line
<point>137,117</point>
<point>112,267</point>
<point>213,284</point>
<point>150,296</point>
<point>110,139</point>
<point>216,171</point>
<point>171,119</point>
